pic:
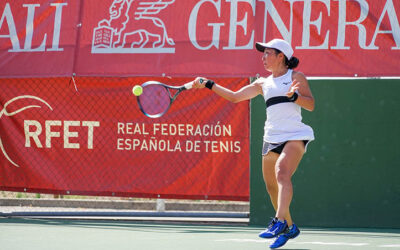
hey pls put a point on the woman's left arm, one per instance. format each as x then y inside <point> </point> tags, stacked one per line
<point>305,98</point>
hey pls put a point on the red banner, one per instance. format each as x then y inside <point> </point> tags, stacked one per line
<point>95,141</point>
<point>38,38</point>
<point>191,37</point>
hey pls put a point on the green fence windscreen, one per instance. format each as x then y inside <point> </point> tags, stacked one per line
<point>350,175</point>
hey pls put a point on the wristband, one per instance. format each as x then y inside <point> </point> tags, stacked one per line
<point>210,84</point>
<point>294,97</point>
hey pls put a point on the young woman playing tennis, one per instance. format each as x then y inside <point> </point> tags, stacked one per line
<point>285,136</point>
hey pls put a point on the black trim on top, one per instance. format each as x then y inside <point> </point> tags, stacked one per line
<point>277,99</point>
<point>281,99</point>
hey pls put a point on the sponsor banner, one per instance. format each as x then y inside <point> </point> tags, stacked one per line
<point>38,38</point>
<point>91,139</point>
<point>216,38</point>
<point>191,37</point>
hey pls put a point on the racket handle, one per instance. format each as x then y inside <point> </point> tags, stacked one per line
<point>188,85</point>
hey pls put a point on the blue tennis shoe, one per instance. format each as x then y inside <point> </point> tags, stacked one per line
<point>285,236</point>
<point>274,228</point>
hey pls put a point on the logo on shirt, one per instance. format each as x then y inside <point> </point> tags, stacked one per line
<point>286,83</point>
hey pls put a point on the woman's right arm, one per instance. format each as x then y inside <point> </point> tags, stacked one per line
<point>245,93</point>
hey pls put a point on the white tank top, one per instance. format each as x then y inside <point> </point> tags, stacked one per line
<point>283,119</point>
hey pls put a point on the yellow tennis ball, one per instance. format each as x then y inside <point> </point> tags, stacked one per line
<point>137,90</point>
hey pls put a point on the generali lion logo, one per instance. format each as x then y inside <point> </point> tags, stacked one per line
<point>7,113</point>
<point>133,27</point>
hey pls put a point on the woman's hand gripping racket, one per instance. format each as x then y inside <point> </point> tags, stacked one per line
<point>156,97</point>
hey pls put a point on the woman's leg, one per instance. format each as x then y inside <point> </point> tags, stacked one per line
<point>269,174</point>
<point>268,169</point>
<point>285,167</point>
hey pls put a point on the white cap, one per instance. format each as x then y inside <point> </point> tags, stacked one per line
<point>278,44</point>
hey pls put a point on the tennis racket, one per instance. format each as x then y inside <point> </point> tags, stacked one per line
<point>157,98</point>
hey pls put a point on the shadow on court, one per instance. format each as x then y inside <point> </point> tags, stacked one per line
<point>35,233</point>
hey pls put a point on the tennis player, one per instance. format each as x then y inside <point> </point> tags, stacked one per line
<point>285,135</point>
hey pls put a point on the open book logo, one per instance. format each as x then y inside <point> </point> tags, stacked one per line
<point>133,27</point>
<point>6,112</point>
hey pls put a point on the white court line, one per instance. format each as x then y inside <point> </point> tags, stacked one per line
<point>393,246</point>
<point>333,243</point>
<point>308,242</point>
<point>246,240</point>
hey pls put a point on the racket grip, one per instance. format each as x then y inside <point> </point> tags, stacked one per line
<point>188,85</point>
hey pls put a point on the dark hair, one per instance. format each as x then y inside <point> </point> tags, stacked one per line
<point>292,63</point>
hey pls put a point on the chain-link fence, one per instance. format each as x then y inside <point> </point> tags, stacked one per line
<point>69,143</point>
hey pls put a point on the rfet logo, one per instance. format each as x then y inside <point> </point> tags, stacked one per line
<point>41,134</point>
<point>133,27</point>
<point>7,113</point>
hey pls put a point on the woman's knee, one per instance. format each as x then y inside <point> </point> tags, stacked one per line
<point>282,172</point>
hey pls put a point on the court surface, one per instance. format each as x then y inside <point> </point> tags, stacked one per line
<point>34,233</point>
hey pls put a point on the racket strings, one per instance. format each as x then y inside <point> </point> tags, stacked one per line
<point>155,100</point>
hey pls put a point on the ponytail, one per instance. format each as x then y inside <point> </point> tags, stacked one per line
<point>292,63</point>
